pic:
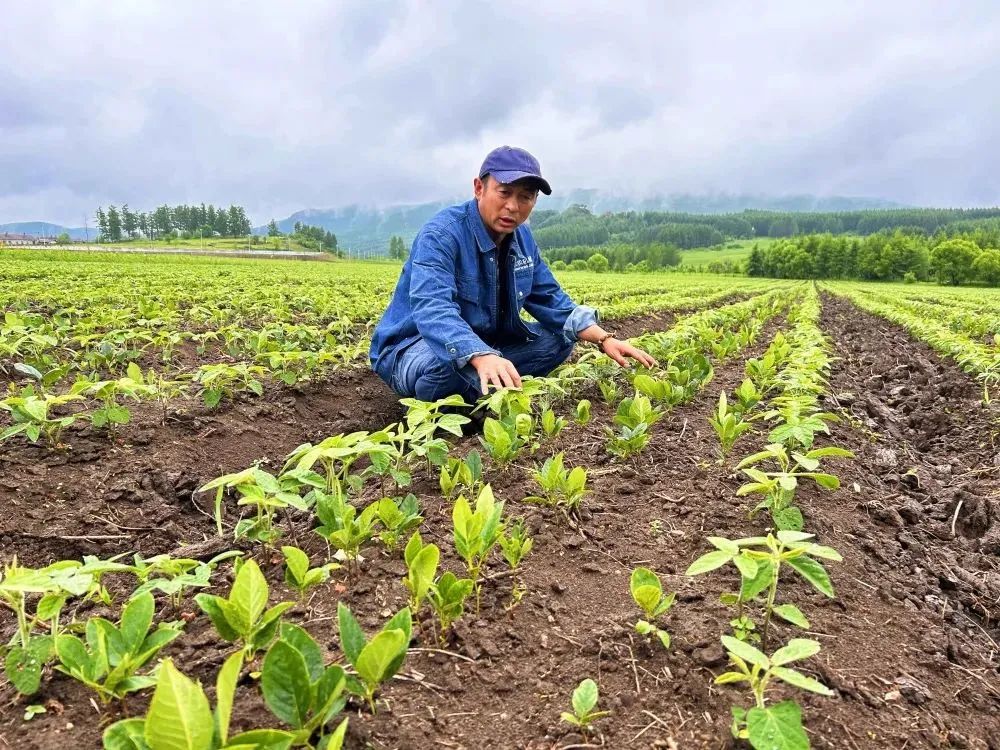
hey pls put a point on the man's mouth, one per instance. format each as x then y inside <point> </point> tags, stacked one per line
<point>507,222</point>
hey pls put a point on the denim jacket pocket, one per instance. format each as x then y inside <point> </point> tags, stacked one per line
<point>469,288</point>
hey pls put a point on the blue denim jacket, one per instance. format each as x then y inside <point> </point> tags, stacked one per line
<point>447,293</point>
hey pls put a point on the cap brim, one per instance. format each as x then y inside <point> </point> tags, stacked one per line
<point>514,176</point>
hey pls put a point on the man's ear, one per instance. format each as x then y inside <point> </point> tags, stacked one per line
<point>477,188</point>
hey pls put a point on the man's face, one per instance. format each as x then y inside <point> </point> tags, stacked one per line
<point>504,207</point>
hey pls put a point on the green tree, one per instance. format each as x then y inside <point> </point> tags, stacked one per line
<point>986,267</point>
<point>63,239</point>
<point>952,260</point>
<point>272,229</point>
<point>114,224</point>
<point>755,264</point>
<point>578,265</point>
<point>129,221</point>
<point>102,225</point>
<point>598,263</point>
<point>559,265</point>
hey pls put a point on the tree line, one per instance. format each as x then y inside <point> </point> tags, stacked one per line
<point>577,225</point>
<point>309,237</point>
<point>946,257</point>
<point>184,221</point>
<point>650,256</point>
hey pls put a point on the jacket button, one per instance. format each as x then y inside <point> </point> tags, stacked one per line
<point>452,351</point>
<point>520,294</point>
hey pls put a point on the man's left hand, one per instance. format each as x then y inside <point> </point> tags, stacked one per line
<point>619,350</point>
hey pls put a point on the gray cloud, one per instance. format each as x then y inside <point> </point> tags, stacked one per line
<point>317,104</point>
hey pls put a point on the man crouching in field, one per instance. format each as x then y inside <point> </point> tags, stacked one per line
<point>454,324</point>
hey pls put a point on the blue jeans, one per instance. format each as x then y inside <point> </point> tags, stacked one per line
<point>420,374</point>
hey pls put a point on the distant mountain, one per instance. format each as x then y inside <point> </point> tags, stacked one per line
<point>369,228</point>
<point>45,229</point>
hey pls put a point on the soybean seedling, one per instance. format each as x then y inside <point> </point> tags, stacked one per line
<point>728,426</point>
<point>298,574</point>
<point>421,567</point>
<point>759,561</point>
<point>647,592</point>
<point>459,474</point>
<point>515,543</point>
<point>447,596</point>
<point>476,533</point>
<point>374,661</point>
<point>242,617</point>
<point>398,517</point>
<point>777,727</point>
<point>778,487</point>
<point>584,702</point>
<point>180,705</point>
<point>109,659</point>
<point>561,487</point>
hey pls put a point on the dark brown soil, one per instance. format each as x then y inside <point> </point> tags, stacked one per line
<point>909,645</point>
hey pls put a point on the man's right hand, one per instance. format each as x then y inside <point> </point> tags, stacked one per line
<point>494,370</point>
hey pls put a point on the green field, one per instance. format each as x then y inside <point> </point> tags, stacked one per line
<point>734,250</point>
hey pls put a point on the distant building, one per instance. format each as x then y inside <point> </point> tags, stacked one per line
<point>8,239</point>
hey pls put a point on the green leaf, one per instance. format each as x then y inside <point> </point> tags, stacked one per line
<point>299,639</point>
<point>746,565</point>
<point>334,741</point>
<point>827,481</point>
<point>708,561</point>
<point>412,547</point>
<point>799,680</point>
<point>225,689</point>
<point>813,572</point>
<point>777,727</point>
<point>261,739</point>
<point>726,545</point>
<point>788,519</point>
<point>286,684</point>
<point>727,678</point>
<point>135,622</point>
<point>249,595</point>
<point>23,667</point>
<point>127,734</point>
<point>745,651</point>
<point>791,613</point>
<point>352,637</point>
<point>376,658</point>
<point>179,717</point>
<point>791,537</point>
<point>830,451</point>
<point>585,697</point>
<point>214,607</point>
<point>296,565</point>
<point>796,650</point>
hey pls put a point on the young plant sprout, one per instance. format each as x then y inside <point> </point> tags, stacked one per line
<point>584,703</point>
<point>759,561</point>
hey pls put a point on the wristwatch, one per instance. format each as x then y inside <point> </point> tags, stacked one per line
<point>605,337</point>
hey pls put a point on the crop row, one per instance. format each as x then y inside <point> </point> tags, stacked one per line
<point>781,390</point>
<point>974,353</point>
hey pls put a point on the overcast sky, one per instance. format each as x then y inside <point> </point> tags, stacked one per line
<point>282,106</point>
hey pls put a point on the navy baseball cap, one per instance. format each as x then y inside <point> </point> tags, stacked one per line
<point>509,164</point>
